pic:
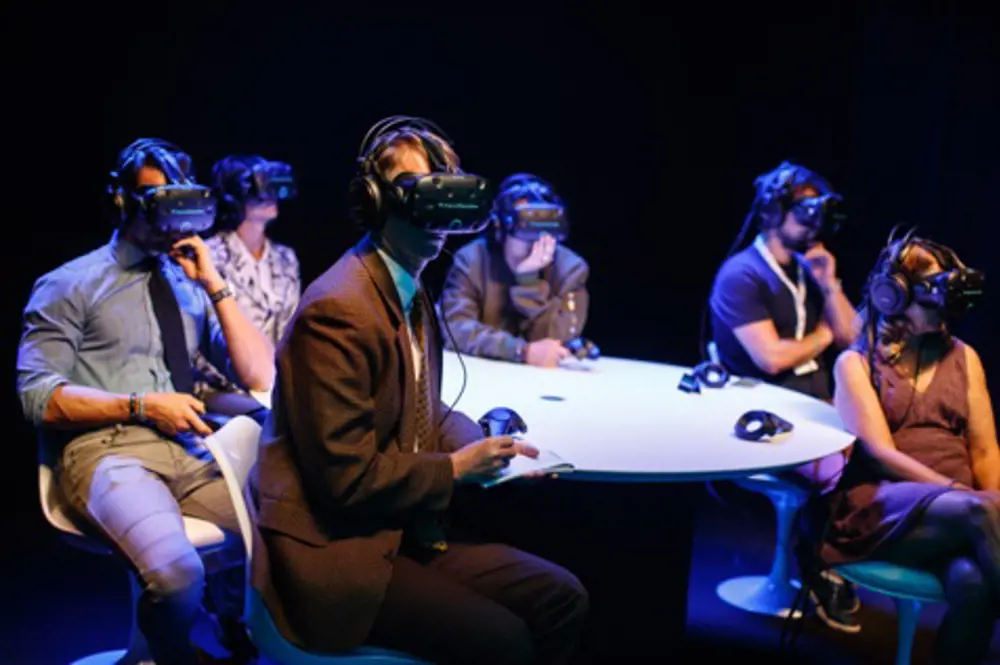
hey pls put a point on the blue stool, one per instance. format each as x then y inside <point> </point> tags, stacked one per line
<point>910,588</point>
<point>775,593</point>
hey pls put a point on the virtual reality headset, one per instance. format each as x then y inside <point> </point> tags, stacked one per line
<point>443,202</point>
<point>530,220</point>
<point>819,212</point>
<point>273,181</point>
<point>952,291</point>
<point>177,209</point>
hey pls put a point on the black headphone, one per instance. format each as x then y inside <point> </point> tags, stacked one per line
<point>175,163</point>
<point>709,374</point>
<point>775,191</point>
<point>369,195</point>
<point>502,421</point>
<point>890,287</point>
<point>514,187</point>
<point>757,424</point>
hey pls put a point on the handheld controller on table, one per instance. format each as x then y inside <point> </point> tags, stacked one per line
<point>502,421</point>
<point>582,348</point>
<point>708,374</point>
<point>757,424</point>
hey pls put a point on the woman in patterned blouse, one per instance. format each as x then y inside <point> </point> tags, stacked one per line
<point>263,274</point>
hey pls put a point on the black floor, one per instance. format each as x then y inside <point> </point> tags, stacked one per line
<point>60,603</point>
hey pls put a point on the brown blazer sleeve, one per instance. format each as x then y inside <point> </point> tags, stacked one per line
<point>331,364</point>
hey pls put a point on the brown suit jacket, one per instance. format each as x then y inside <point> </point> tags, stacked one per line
<point>493,313</point>
<point>337,481</point>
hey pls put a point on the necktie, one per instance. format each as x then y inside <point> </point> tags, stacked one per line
<point>419,321</point>
<point>168,315</point>
<point>430,530</point>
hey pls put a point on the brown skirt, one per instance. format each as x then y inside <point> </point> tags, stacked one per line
<point>868,516</point>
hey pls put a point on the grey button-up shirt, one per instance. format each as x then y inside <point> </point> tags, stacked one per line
<point>90,322</point>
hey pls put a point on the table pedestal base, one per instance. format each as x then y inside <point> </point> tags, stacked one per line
<point>761,595</point>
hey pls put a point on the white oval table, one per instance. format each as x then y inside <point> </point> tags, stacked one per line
<point>638,443</point>
<point>625,420</point>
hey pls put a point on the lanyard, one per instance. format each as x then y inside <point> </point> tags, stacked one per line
<point>798,292</point>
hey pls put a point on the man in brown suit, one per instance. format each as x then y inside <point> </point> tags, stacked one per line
<point>360,460</point>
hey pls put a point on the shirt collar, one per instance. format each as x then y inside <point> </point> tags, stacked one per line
<point>406,284</point>
<point>126,253</point>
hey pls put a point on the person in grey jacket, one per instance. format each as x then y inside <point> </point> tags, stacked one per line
<point>518,293</point>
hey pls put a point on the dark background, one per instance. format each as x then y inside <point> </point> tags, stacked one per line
<point>652,127</point>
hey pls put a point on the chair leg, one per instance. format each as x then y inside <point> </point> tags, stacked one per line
<point>138,650</point>
<point>775,594</point>
<point>908,613</point>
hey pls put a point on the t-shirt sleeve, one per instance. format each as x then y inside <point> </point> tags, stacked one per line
<point>737,296</point>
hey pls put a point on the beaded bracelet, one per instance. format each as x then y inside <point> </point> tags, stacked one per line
<point>137,407</point>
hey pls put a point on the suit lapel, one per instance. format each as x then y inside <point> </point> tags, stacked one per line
<point>379,274</point>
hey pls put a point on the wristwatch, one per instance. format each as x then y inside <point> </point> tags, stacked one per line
<point>223,293</point>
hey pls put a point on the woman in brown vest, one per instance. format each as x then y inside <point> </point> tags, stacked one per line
<point>923,486</point>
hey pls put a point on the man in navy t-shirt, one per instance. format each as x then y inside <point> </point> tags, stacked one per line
<point>778,304</point>
<point>776,307</point>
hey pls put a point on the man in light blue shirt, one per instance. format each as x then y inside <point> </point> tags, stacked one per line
<point>104,372</point>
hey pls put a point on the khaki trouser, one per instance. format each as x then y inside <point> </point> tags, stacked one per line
<point>134,485</point>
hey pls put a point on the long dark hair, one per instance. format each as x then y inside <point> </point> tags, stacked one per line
<point>885,338</point>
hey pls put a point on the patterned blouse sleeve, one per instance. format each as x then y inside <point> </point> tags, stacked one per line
<point>291,272</point>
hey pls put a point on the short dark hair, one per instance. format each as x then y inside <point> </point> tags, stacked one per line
<point>144,152</point>
<point>517,187</point>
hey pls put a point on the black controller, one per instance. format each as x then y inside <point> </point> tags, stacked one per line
<point>582,348</point>
<point>502,421</point>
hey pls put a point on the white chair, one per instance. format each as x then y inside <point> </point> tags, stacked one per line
<point>910,588</point>
<point>236,463</point>
<point>263,396</point>
<point>236,435</point>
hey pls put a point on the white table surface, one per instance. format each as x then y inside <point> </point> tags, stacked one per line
<point>625,420</point>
